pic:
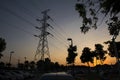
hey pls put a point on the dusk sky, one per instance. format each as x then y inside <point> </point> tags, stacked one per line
<point>17,27</point>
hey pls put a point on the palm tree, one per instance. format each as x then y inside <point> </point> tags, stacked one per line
<point>86,56</point>
<point>99,53</point>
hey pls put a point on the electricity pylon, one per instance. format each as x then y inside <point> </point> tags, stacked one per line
<point>42,51</point>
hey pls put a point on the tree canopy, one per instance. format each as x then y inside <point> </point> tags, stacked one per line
<point>91,10</point>
<point>71,54</point>
<point>112,50</point>
<point>86,56</point>
<point>47,65</point>
<point>2,46</point>
<point>99,53</point>
<point>114,26</point>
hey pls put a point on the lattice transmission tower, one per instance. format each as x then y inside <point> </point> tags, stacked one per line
<point>42,51</point>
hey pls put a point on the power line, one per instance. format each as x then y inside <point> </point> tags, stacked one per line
<point>6,9</point>
<point>13,13</point>
<point>18,28</point>
<point>24,9</point>
<point>60,28</point>
<point>58,37</point>
<point>27,21</point>
<point>65,35</point>
<point>35,5</point>
<point>58,34</point>
<point>55,46</point>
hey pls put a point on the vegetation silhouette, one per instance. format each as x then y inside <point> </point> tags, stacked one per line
<point>32,65</point>
<point>71,53</point>
<point>20,66</point>
<point>47,66</point>
<point>87,56</point>
<point>99,53</point>
<point>2,46</point>
<point>26,65</point>
<point>111,49</point>
<point>90,10</point>
<point>2,65</point>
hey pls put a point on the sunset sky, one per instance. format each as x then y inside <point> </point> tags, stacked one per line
<point>17,21</point>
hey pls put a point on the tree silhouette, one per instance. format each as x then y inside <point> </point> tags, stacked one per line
<point>114,26</point>
<point>57,66</point>
<point>90,10</point>
<point>86,56</point>
<point>99,53</point>
<point>2,65</point>
<point>47,66</point>
<point>71,54</point>
<point>40,65</point>
<point>111,48</point>
<point>2,46</point>
<point>32,65</point>
<point>8,65</point>
<point>20,66</point>
<point>114,29</point>
<point>26,65</point>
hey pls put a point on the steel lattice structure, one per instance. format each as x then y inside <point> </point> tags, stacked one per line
<point>42,51</point>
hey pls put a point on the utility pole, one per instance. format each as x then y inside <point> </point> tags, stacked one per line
<point>43,49</point>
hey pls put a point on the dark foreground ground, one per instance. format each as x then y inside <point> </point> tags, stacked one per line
<point>89,76</point>
<point>78,76</point>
